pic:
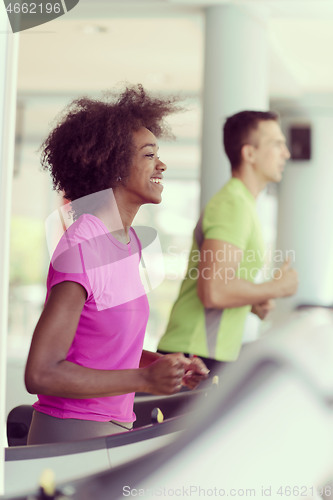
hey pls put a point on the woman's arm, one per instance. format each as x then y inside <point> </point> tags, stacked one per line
<point>195,369</point>
<point>48,372</point>
<point>149,357</point>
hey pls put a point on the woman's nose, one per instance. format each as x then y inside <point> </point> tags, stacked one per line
<point>161,166</point>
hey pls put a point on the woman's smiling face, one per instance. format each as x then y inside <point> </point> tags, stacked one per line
<point>144,184</point>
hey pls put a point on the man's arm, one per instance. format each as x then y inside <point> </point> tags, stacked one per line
<point>219,287</point>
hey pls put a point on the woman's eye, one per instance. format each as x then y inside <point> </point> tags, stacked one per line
<point>151,155</point>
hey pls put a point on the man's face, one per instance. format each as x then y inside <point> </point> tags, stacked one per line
<point>270,152</point>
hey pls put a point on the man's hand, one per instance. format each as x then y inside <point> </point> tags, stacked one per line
<point>261,310</point>
<point>286,279</point>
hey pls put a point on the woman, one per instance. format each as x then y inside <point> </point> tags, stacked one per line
<point>86,359</point>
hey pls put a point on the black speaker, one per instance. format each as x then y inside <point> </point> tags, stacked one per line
<point>300,142</point>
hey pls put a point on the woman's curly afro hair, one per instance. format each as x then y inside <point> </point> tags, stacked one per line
<point>91,146</point>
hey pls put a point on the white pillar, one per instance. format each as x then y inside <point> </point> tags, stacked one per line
<point>306,203</point>
<point>235,79</point>
<point>8,71</point>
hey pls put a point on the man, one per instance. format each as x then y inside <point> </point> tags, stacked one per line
<point>218,291</point>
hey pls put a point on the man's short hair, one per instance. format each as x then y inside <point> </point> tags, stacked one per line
<point>237,130</point>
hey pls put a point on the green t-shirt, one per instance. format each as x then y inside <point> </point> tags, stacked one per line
<point>229,216</point>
